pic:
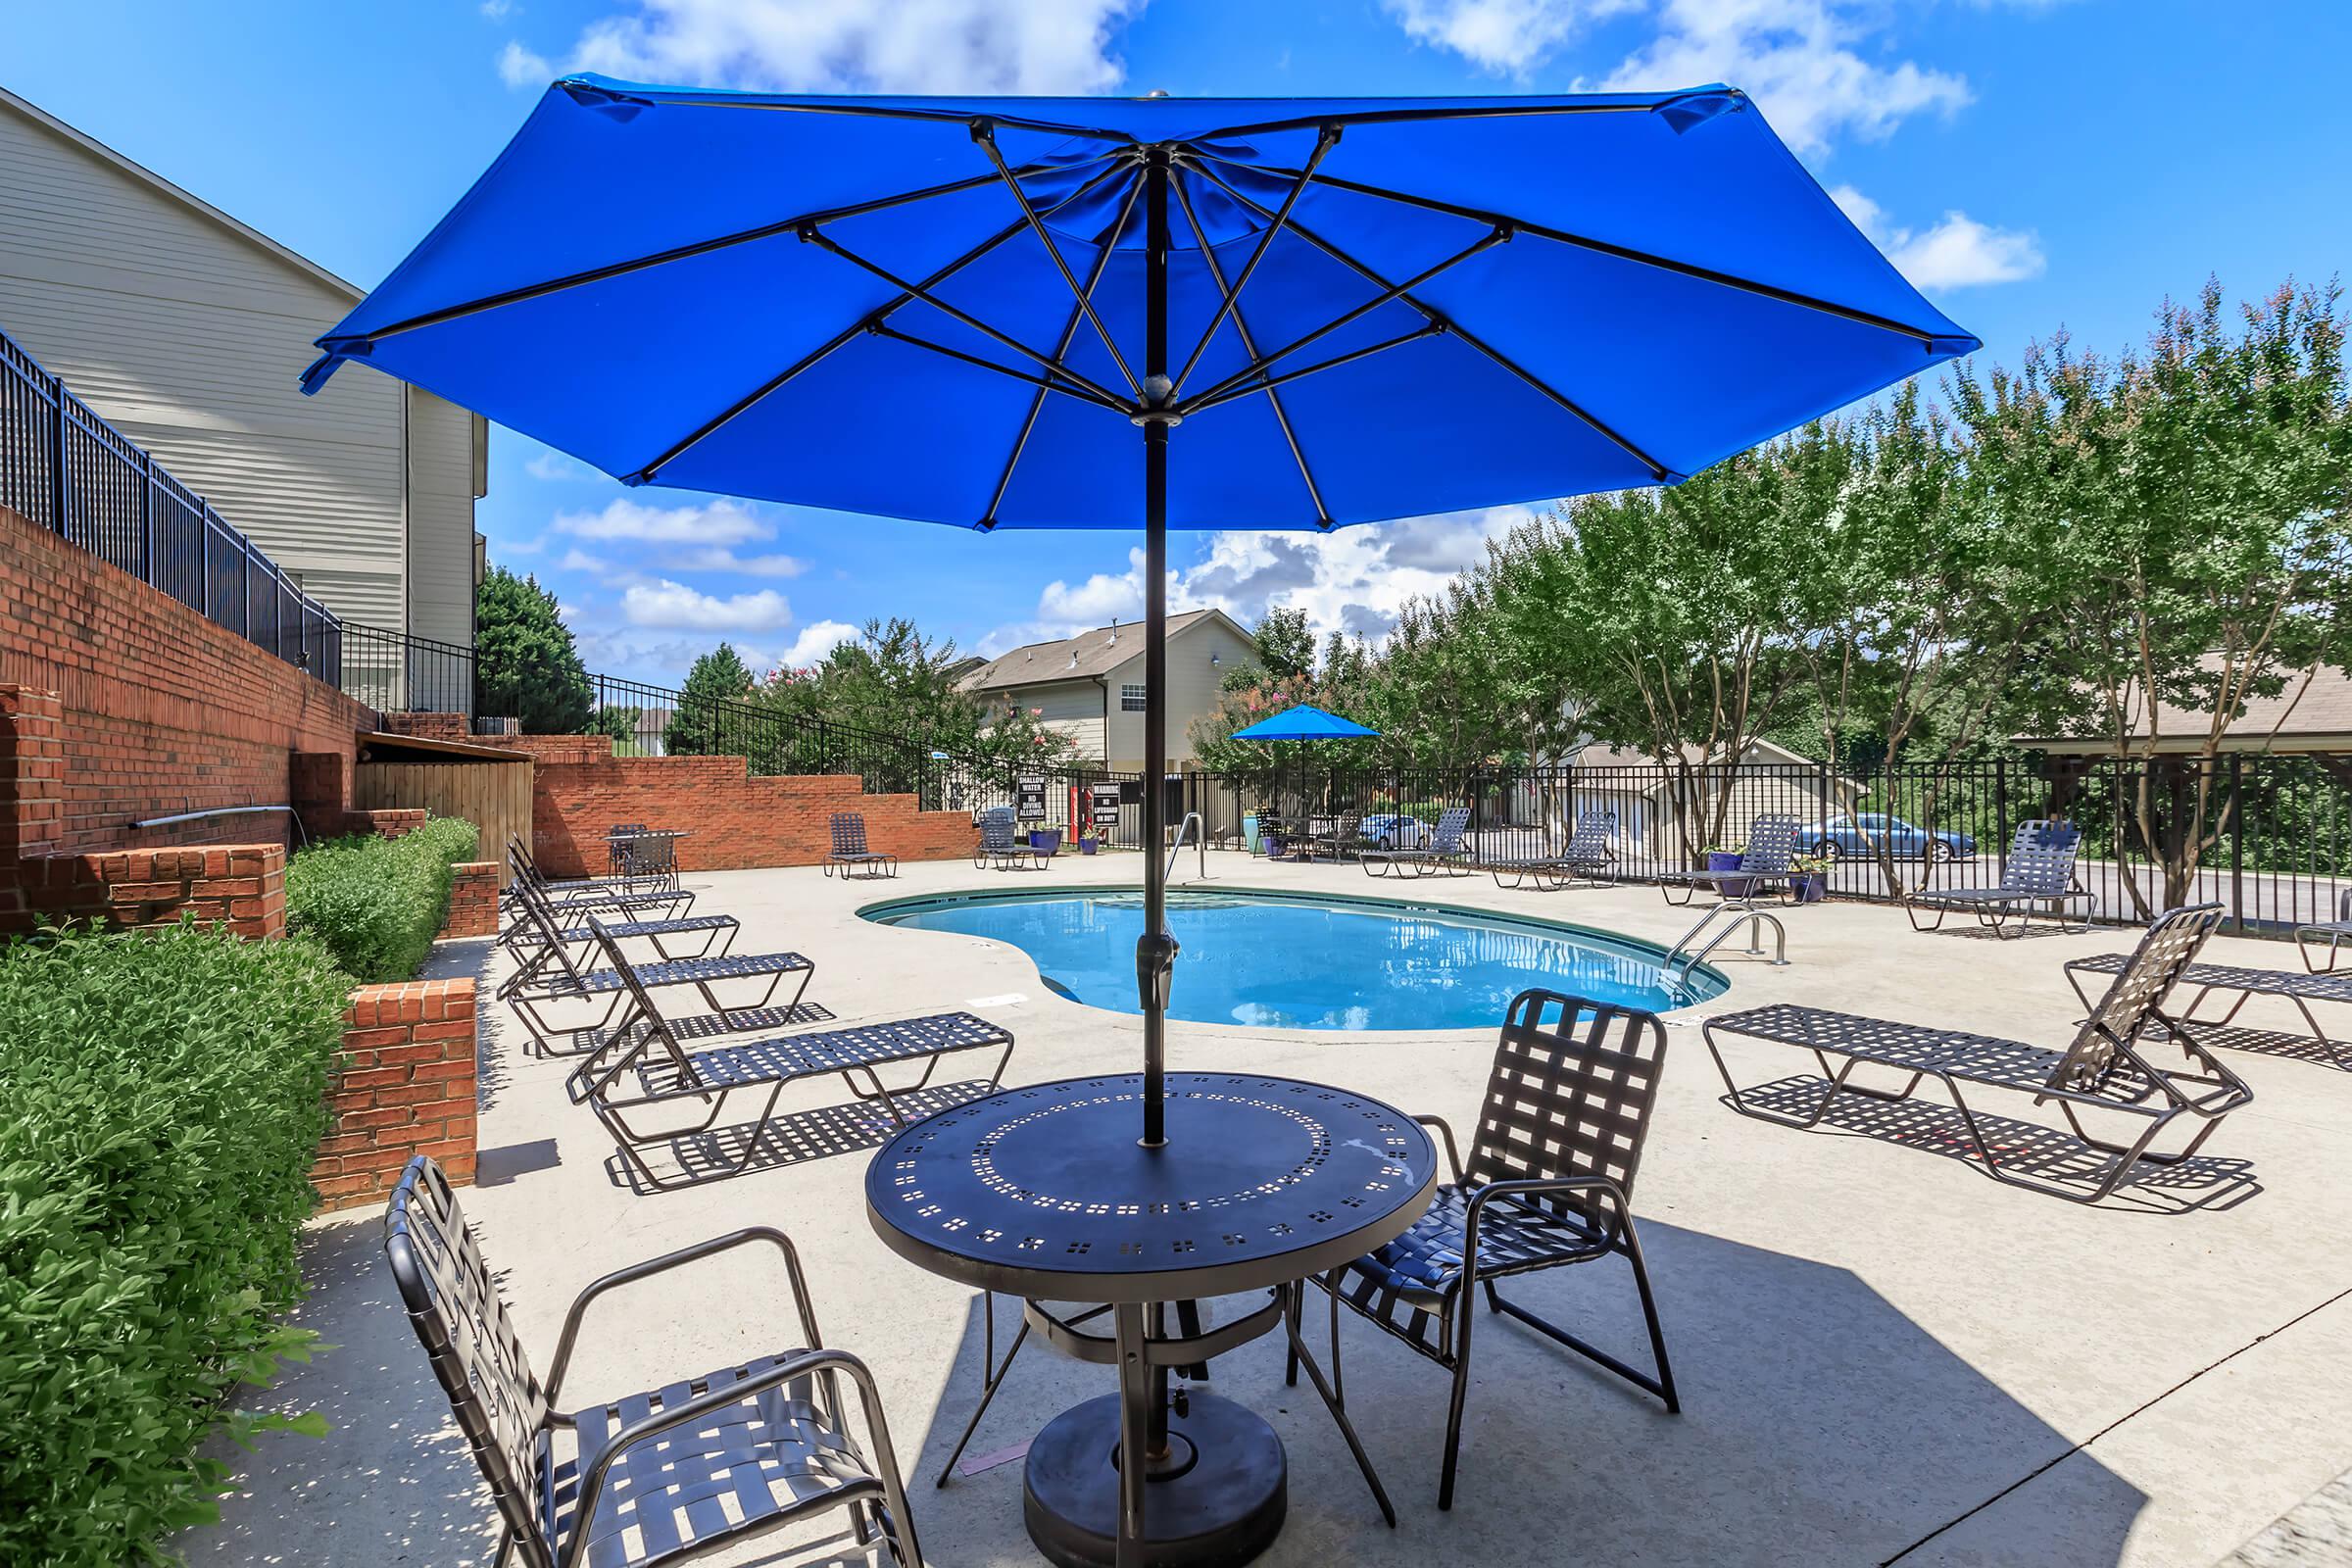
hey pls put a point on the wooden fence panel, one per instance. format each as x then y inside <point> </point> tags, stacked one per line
<point>495,797</point>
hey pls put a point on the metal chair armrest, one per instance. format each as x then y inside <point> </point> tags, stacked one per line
<point>663,1264</point>
<point>1453,1155</point>
<point>812,1362</point>
<point>1523,1186</point>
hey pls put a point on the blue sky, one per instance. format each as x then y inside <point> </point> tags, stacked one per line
<point>2032,164</point>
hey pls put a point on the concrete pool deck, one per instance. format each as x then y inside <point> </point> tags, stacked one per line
<point>1884,1355</point>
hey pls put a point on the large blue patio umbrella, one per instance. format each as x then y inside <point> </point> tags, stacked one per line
<point>1154,313</point>
<point>1304,722</point>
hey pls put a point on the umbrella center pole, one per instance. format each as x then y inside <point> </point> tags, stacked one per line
<point>1155,948</point>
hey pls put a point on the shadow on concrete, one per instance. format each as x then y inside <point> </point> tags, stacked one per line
<point>792,1138</point>
<point>2325,1053</point>
<point>1819,1425</point>
<point>495,1032</point>
<point>2024,1147</point>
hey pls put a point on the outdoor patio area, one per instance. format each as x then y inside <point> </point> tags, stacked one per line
<point>1882,1354</point>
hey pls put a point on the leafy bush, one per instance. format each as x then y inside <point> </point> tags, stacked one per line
<point>377,903</point>
<point>161,1100</point>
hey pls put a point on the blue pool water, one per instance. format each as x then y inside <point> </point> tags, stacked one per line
<point>1284,963</point>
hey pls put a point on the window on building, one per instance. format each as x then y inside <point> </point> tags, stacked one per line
<point>1131,698</point>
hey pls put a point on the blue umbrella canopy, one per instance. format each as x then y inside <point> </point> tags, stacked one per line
<point>1304,722</point>
<point>982,311</point>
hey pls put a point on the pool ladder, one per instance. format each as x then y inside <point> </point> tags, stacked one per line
<point>1739,912</point>
<point>1191,824</point>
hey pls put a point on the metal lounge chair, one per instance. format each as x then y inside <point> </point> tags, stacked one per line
<point>1444,848</point>
<point>850,850</point>
<point>1345,837</point>
<point>643,900</point>
<point>640,852</point>
<point>1548,1184</point>
<point>570,890</point>
<point>542,935</point>
<point>999,848</point>
<point>560,979</point>
<point>2103,1072</point>
<point>653,1477</point>
<point>2040,871</point>
<point>646,1068</point>
<point>1764,867</point>
<point>2302,990</point>
<point>1589,856</point>
<point>2337,931</point>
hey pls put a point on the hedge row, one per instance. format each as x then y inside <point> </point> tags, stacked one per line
<point>377,903</point>
<point>160,1105</point>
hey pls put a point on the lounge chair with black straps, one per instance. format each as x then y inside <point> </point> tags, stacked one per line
<point>2103,1073</point>
<point>562,983</point>
<point>1590,855</point>
<point>586,889</point>
<point>543,938</point>
<point>645,1069</point>
<point>1443,850</point>
<point>1548,1184</point>
<point>2337,932</point>
<point>1766,864</point>
<point>850,850</point>
<point>2037,877</point>
<point>2245,983</point>
<point>1001,848</point>
<point>679,1472</point>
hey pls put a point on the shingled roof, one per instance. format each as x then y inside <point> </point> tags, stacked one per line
<point>1088,654</point>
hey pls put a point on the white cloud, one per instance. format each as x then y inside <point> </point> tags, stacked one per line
<point>1505,36</point>
<point>720,559</point>
<point>499,10</point>
<point>1354,580</point>
<point>553,465</point>
<point>1799,60</point>
<point>710,523</point>
<point>814,642</point>
<point>576,560</point>
<point>673,604</point>
<point>917,46</point>
<point>1956,252</point>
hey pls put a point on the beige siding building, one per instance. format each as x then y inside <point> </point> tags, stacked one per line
<point>187,330</point>
<point>1090,687</point>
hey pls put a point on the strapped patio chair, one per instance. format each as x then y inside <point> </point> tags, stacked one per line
<point>1443,849</point>
<point>2101,1072</point>
<point>647,1478</point>
<point>2337,932</point>
<point>1589,856</point>
<point>2300,989</point>
<point>646,1066</point>
<point>586,889</point>
<point>1342,837</point>
<point>1765,868</point>
<point>640,852</point>
<point>2040,871</point>
<point>1001,848</point>
<point>1548,1184</point>
<point>543,937</point>
<point>850,850</point>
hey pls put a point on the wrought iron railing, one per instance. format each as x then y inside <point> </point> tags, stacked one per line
<point>70,472</point>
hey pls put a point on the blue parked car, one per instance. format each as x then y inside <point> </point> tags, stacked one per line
<point>1862,834</point>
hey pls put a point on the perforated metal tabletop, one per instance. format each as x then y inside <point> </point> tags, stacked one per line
<point>1044,1192</point>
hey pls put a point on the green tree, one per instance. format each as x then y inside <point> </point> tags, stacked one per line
<point>526,665</point>
<point>1286,645</point>
<point>708,721</point>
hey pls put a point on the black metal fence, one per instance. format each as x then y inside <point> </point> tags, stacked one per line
<point>70,472</point>
<point>2268,837</point>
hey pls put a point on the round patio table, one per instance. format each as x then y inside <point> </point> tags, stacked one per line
<point>1045,1193</point>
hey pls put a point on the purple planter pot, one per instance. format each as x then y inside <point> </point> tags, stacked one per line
<point>1726,860</point>
<point>1810,888</point>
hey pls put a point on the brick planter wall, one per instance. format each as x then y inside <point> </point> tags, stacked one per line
<point>242,886</point>
<point>473,901</point>
<point>735,821</point>
<point>407,1087</point>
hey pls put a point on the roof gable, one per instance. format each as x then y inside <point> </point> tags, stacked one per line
<point>1087,654</point>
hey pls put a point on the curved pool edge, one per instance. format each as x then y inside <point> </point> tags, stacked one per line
<point>909,903</point>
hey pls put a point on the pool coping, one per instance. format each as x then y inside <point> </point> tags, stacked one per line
<point>1031,893</point>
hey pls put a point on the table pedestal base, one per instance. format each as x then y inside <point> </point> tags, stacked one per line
<point>1219,1498</point>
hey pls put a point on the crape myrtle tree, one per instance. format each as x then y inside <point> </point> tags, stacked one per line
<point>526,665</point>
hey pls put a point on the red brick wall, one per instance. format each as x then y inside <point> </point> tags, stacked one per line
<point>473,900</point>
<point>407,1087</point>
<point>733,820</point>
<point>242,886</point>
<point>429,726</point>
<point>160,711</point>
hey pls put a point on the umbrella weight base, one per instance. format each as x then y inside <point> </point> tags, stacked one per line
<point>1218,1498</point>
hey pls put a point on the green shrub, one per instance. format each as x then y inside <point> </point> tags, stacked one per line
<point>161,1104</point>
<point>377,903</point>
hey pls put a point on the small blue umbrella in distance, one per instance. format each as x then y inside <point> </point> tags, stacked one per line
<point>1154,313</point>
<point>1304,722</point>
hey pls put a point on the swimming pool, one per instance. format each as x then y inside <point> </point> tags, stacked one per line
<point>1287,962</point>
